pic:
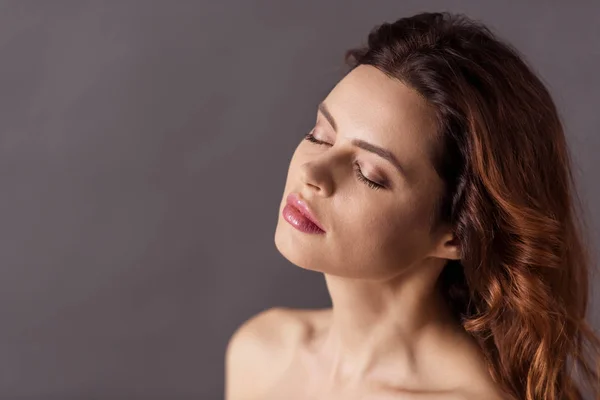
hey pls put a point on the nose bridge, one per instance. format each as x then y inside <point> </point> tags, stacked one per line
<point>326,169</point>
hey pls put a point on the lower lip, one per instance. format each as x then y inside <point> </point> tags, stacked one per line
<point>299,221</point>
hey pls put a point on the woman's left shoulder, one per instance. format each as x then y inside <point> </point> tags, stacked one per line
<point>490,393</point>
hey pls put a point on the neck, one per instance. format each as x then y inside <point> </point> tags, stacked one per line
<point>371,319</point>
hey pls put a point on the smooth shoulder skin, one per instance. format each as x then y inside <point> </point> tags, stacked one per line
<point>262,347</point>
<point>257,350</point>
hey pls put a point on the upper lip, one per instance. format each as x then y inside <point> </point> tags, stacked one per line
<point>295,200</point>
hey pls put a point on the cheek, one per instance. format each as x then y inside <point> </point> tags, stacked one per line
<point>392,233</point>
<point>385,239</point>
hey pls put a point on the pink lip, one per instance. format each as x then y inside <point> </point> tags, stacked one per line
<point>294,200</point>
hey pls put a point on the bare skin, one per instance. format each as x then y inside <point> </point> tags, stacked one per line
<point>278,354</point>
<point>389,334</point>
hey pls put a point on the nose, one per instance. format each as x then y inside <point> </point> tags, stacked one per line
<point>316,178</point>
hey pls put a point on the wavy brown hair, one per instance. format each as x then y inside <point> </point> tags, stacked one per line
<point>521,287</point>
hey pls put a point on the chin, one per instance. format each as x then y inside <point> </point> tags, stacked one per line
<point>297,248</point>
<point>305,254</point>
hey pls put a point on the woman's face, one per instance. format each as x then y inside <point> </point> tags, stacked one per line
<point>372,230</point>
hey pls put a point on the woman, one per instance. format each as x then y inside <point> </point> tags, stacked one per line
<point>434,194</point>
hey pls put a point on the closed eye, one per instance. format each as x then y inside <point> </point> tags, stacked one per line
<point>374,185</point>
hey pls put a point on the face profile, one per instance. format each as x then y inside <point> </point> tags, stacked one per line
<point>363,175</point>
<point>434,193</point>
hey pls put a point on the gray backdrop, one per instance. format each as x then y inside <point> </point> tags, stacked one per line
<point>143,151</point>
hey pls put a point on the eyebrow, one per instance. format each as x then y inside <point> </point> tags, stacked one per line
<point>380,151</point>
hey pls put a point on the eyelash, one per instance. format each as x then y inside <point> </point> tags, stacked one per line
<point>310,137</point>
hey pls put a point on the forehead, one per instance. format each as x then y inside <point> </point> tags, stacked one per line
<point>368,104</point>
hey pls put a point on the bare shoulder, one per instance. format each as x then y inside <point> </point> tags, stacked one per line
<point>487,395</point>
<point>477,383</point>
<point>260,349</point>
<point>456,362</point>
<point>490,393</point>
